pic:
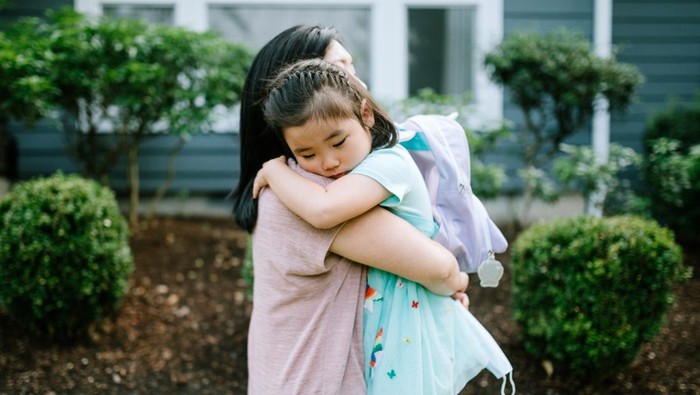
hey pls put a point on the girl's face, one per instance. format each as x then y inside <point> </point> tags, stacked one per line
<point>331,148</point>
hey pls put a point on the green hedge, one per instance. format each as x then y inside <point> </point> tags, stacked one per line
<point>64,254</point>
<point>672,169</point>
<point>588,292</point>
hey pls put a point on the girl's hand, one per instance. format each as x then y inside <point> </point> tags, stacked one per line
<point>461,295</point>
<point>462,298</point>
<point>260,181</point>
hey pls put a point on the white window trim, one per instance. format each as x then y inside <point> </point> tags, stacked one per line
<point>389,47</point>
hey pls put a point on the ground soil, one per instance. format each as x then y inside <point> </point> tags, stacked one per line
<point>183,329</point>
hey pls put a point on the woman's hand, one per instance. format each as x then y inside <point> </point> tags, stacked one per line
<point>260,181</point>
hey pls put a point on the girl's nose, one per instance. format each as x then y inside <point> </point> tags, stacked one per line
<point>330,163</point>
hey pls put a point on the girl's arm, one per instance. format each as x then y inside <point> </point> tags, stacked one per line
<point>391,244</point>
<point>322,207</point>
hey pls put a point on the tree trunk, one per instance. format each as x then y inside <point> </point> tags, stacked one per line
<point>168,179</point>
<point>528,198</point>
<point>133,179</point>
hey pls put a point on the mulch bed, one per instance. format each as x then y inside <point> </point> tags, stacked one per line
<point>183,330</point>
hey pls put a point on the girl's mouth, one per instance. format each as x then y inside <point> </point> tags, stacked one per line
<point>337,176</point>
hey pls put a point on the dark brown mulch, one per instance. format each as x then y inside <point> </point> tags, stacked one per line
<point>183,329</point>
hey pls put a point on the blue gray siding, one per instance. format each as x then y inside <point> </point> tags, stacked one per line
<point>663,40</point>
<point>207,164</point>
<point>35,8</point>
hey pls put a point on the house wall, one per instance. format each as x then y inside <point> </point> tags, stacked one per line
<point>207,164</point>
<point>537,16</point>
<point>662,38</point>
<point>544,16</point>
<point>35,8</point>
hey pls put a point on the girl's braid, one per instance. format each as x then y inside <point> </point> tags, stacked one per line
<point>317,89</point>
<point>312,75</point>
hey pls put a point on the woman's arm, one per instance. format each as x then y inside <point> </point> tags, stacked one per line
<point>391,244</point>
<point>322,207</point>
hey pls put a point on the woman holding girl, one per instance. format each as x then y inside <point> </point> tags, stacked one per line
<point>305,334</point>
<point>415,340</point>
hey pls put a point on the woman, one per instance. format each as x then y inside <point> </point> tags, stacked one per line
<point>305,333</point>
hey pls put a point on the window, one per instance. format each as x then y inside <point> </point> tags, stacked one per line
<point>440,49</point>
<point>256,25</point>
<point>399,46</point>
<point>156,14</point>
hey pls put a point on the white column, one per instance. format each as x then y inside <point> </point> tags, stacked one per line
<point>192,14</point>
<point>489,33</point>
<point>602,38</point>
<point>87,7</point>
<point>389,51</point>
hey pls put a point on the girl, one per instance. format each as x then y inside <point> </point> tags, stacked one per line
<point>415,341</point>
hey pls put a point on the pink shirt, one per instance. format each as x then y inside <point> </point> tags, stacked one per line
<point>305,334</point>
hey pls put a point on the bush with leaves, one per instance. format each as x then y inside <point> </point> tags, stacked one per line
<point>672,169</point>
<point>135,80</point>
<point>26,92</point>
<point>556,80</point>
<point>580,170</point>
<point>64,254</point>
<point>588,292</point>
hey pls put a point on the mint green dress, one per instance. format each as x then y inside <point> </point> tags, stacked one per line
<point>417,342</point>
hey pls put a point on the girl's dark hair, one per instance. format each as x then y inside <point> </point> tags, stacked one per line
<point>314,89</point>
<point>258,142</point>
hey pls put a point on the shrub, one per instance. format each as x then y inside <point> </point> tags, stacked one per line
<point>580,170</point>
<point>588,292</point>
<point>64,254</point>
<point>118,82</point>
<point>672,169</point>
<point>556,80</point>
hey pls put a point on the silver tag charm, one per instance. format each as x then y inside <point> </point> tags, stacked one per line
<point>490,271</point>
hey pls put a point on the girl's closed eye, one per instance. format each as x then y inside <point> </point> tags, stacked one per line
<point>340,143</point>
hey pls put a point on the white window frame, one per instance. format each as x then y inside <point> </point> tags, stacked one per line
<point>389,46</point>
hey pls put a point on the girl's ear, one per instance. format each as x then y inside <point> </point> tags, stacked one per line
<point>367,114</point>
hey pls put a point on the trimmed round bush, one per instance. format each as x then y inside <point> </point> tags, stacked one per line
<point>64,254</point>
<point>588,292</point>
<point>672,172</point>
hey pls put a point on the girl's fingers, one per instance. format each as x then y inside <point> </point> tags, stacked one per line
<point>258,184</point>
<point>462,298</point>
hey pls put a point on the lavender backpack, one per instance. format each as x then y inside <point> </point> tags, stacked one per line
<point>439,147</point>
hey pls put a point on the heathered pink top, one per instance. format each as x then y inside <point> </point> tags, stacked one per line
<point>305,333</point>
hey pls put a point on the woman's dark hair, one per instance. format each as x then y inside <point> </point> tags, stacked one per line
<point>259,143</point>
<point>315,89</point>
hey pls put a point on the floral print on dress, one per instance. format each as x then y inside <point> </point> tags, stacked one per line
<point>377,351</point>
<point>371,295</point>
